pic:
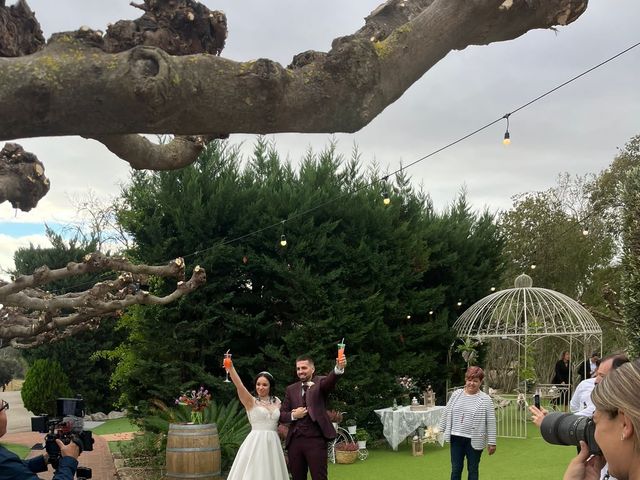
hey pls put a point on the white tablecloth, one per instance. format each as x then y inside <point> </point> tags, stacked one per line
<point>399,424</point>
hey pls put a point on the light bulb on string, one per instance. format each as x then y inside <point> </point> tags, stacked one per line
<point>408,317</point>
<point>459,303</point>
<point>585,231</point>
<point>507,137</point>
<point>493,289</point>
<point>430,312</point>
<point>533,266</point>
<point>283,237</point>
<point>385,192</point>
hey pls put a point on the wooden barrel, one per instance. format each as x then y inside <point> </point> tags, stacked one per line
<point>193,451</point>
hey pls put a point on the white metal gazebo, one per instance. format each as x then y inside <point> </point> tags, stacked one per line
<point>512,322</point>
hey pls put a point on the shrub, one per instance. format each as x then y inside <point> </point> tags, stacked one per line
<point>45,381</point>
<point>351,422</point>
<point>146,450</point>
<point>362,435</point>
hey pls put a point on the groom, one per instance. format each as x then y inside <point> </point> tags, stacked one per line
<point>304,408</point>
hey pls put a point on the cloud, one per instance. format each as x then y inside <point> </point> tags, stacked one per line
<point>8,245</point>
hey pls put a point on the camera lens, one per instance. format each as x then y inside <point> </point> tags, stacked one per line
<point>568,429</point>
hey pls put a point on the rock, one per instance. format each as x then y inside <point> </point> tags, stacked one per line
<point>114,414</point>
<point>98,417</point>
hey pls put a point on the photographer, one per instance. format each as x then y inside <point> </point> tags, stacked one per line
<point>13,468</point>
<point>607,365</point>
<point>617,428</point>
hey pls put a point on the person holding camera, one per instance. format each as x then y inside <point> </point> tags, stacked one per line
<point>617,428</point>
<point>13,468</point>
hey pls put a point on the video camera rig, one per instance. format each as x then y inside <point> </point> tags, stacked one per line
<point>67,426</point>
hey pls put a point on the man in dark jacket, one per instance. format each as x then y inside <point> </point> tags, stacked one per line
<point>13,468</point>
<point>304,409</point>
<point>588,368</point>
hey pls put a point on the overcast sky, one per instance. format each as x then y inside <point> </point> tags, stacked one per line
<point>577,129</point>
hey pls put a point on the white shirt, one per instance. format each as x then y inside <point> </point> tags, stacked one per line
<point>581,399</point>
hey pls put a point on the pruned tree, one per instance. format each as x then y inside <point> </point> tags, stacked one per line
<point>163,74</point>
<point>31,316</point>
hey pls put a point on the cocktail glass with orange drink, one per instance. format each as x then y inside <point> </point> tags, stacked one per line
<point>226,363</point>
<point>341,346</point>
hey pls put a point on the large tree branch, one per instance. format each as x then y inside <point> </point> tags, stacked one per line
<point>161,74</point>
<point>30,316</point>
<point>74,87</point>
<point>143,154</point>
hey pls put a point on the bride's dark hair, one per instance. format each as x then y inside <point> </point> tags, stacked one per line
<point>270,379</point>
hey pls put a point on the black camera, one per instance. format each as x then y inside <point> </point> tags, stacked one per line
<point>568,429</point>
<point>66,426</point>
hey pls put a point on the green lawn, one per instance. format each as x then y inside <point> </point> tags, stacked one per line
<point>118,425</point>
<point>528,459</point>
<point>19,450</point>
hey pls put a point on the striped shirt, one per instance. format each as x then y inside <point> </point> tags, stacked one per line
<point>480,427</point>
<point>462,414</point>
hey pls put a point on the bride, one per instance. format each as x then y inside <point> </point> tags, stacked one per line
<point>260,456</point>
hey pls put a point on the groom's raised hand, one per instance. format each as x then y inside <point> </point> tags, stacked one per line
<point>341,363</point>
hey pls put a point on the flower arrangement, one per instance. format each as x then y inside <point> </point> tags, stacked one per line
<point>197,401</point>
<point>406,383</point>
<point>334,416</point>
<point>346,452</point>
<point>431,435</point>
<point>347,446</point>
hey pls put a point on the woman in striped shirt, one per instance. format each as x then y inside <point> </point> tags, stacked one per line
<point>469,424</point>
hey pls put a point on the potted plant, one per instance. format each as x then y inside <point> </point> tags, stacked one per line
<point>362,436</point>
<point>335,417</point>
<point>468,351</point>
<point>346,452</point>
<point>351,426</point>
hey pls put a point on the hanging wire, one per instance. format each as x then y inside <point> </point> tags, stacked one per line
<point>415,162</point>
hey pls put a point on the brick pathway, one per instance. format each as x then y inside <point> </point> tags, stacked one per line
<point>99,460</point>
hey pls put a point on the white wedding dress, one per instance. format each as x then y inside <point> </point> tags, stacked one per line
<point>260,456</point>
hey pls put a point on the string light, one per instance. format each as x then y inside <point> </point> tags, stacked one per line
<point>493,289</point>
<point>533,266</point>
<point>430,312</point>
<point>283,237</point>
<point>408,317</point>
<point>507,138</point>
<point>431,154</point>
<point>385,198</point>
<point>585,231</point>
<point>459,303</point>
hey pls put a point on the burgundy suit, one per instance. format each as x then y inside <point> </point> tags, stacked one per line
<point>306,441</point>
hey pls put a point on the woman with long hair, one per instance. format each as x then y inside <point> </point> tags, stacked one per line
<point>260,456</point>
<point>617,428</point>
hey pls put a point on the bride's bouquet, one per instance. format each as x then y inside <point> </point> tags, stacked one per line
<point>197,401</point>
